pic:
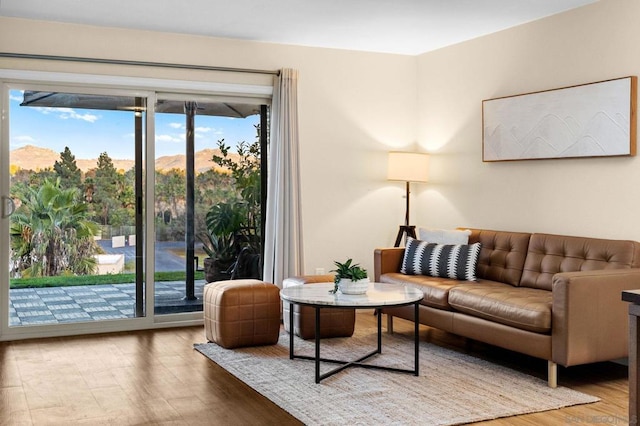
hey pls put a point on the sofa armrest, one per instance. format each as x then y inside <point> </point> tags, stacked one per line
<point>387,260</point>
<point>590,322</point>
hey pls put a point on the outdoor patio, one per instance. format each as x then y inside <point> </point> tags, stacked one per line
<point>56,305</point>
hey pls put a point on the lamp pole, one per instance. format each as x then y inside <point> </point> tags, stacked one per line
<point>406,229</point>
<point>406,215</point>
<point>408,167</point>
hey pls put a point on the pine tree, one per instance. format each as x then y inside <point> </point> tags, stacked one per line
<point>67,170</point>
<point>105,188</point>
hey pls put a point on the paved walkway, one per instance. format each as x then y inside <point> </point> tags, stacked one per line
<point>166,260</point>
<point>55,305</point>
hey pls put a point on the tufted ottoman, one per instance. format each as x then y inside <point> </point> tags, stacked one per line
<point>333,322</point>
<point>241,313</point>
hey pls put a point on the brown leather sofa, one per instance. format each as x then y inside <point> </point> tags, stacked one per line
<point>549,296</point>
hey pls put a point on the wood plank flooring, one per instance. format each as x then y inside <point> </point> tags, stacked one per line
<point>157,378</point>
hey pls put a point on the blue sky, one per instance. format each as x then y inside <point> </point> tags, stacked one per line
<point>88,133</point>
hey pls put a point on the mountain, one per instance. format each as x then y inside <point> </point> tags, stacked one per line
<point>36,158</point>
<point>202,161</point>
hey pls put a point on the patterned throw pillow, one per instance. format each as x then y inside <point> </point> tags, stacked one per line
<point>457,261</point>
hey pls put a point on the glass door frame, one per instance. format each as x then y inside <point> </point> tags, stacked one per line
<point>8,332</point>
<point>148,88</point>
<point>191,106</point>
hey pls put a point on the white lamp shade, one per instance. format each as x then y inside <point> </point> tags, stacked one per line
<point>408,167</point>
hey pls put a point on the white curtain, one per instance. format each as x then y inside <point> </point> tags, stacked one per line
<point>283,251</point>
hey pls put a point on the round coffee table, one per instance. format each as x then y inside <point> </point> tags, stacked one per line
<point>378,296</point>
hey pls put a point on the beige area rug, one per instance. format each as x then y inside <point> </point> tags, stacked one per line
<point>452,388</point>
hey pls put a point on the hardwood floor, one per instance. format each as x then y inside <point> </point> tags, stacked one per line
<point>156,377</point>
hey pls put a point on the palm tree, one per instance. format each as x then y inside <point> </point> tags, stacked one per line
<point>50,232</point>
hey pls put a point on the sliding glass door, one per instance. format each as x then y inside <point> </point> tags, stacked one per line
<point>118,205</point>
<point>72,204</point>
<point>208,196</point>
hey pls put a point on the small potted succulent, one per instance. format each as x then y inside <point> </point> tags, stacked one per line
<point>350,278</point>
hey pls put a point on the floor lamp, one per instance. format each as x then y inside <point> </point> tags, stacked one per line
<point>408,167</point>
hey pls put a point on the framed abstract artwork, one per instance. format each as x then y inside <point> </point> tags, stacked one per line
<point>588,120</point>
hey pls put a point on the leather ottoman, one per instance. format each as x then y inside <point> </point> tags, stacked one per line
<point>241,313</point>
<point>333,322</point>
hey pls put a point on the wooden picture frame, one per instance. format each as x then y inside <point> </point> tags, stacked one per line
<point>588,120</point>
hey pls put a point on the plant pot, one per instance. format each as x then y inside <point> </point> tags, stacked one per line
<point>346,286</point>
<point>214,271</point>
<point>248,265</point>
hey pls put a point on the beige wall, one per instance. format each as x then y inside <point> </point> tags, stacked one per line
<point>353,107</point>
<point>356,106</point>
<point>591,197</point>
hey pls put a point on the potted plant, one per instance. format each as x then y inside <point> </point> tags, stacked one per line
<point>221,252</point>
<point>241,216</point>
<point>350,278</point>
<point>219,242</point>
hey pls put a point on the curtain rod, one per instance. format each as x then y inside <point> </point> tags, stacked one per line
<point>135,63</point>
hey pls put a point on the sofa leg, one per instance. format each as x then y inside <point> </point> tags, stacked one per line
<point>552,374</point>
<point>389,324</point>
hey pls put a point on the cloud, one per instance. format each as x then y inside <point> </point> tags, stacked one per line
<point>14,97</point>
<point>168,138</point>
<point>200,129</point>
<point>22,140</point>
<point>214,131</point>
<point>67,113</point>
<point>74,115</point>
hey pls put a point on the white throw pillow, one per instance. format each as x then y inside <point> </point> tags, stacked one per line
<point>444,236</point>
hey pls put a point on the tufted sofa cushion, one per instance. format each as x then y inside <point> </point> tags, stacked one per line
<point>436,290</point>
<point>502,255</point>
<point>523,308</point>
<point>550,254</point>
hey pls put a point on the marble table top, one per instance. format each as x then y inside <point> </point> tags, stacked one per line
<point>377,295</point>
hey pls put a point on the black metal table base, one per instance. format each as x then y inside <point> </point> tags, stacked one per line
<point>357,362</point>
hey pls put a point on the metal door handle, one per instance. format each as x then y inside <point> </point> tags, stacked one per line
<point>7,202</point>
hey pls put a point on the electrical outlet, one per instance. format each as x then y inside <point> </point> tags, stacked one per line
<point>319,271</point>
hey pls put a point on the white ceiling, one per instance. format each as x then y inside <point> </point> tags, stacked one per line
<point>392,26</point>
